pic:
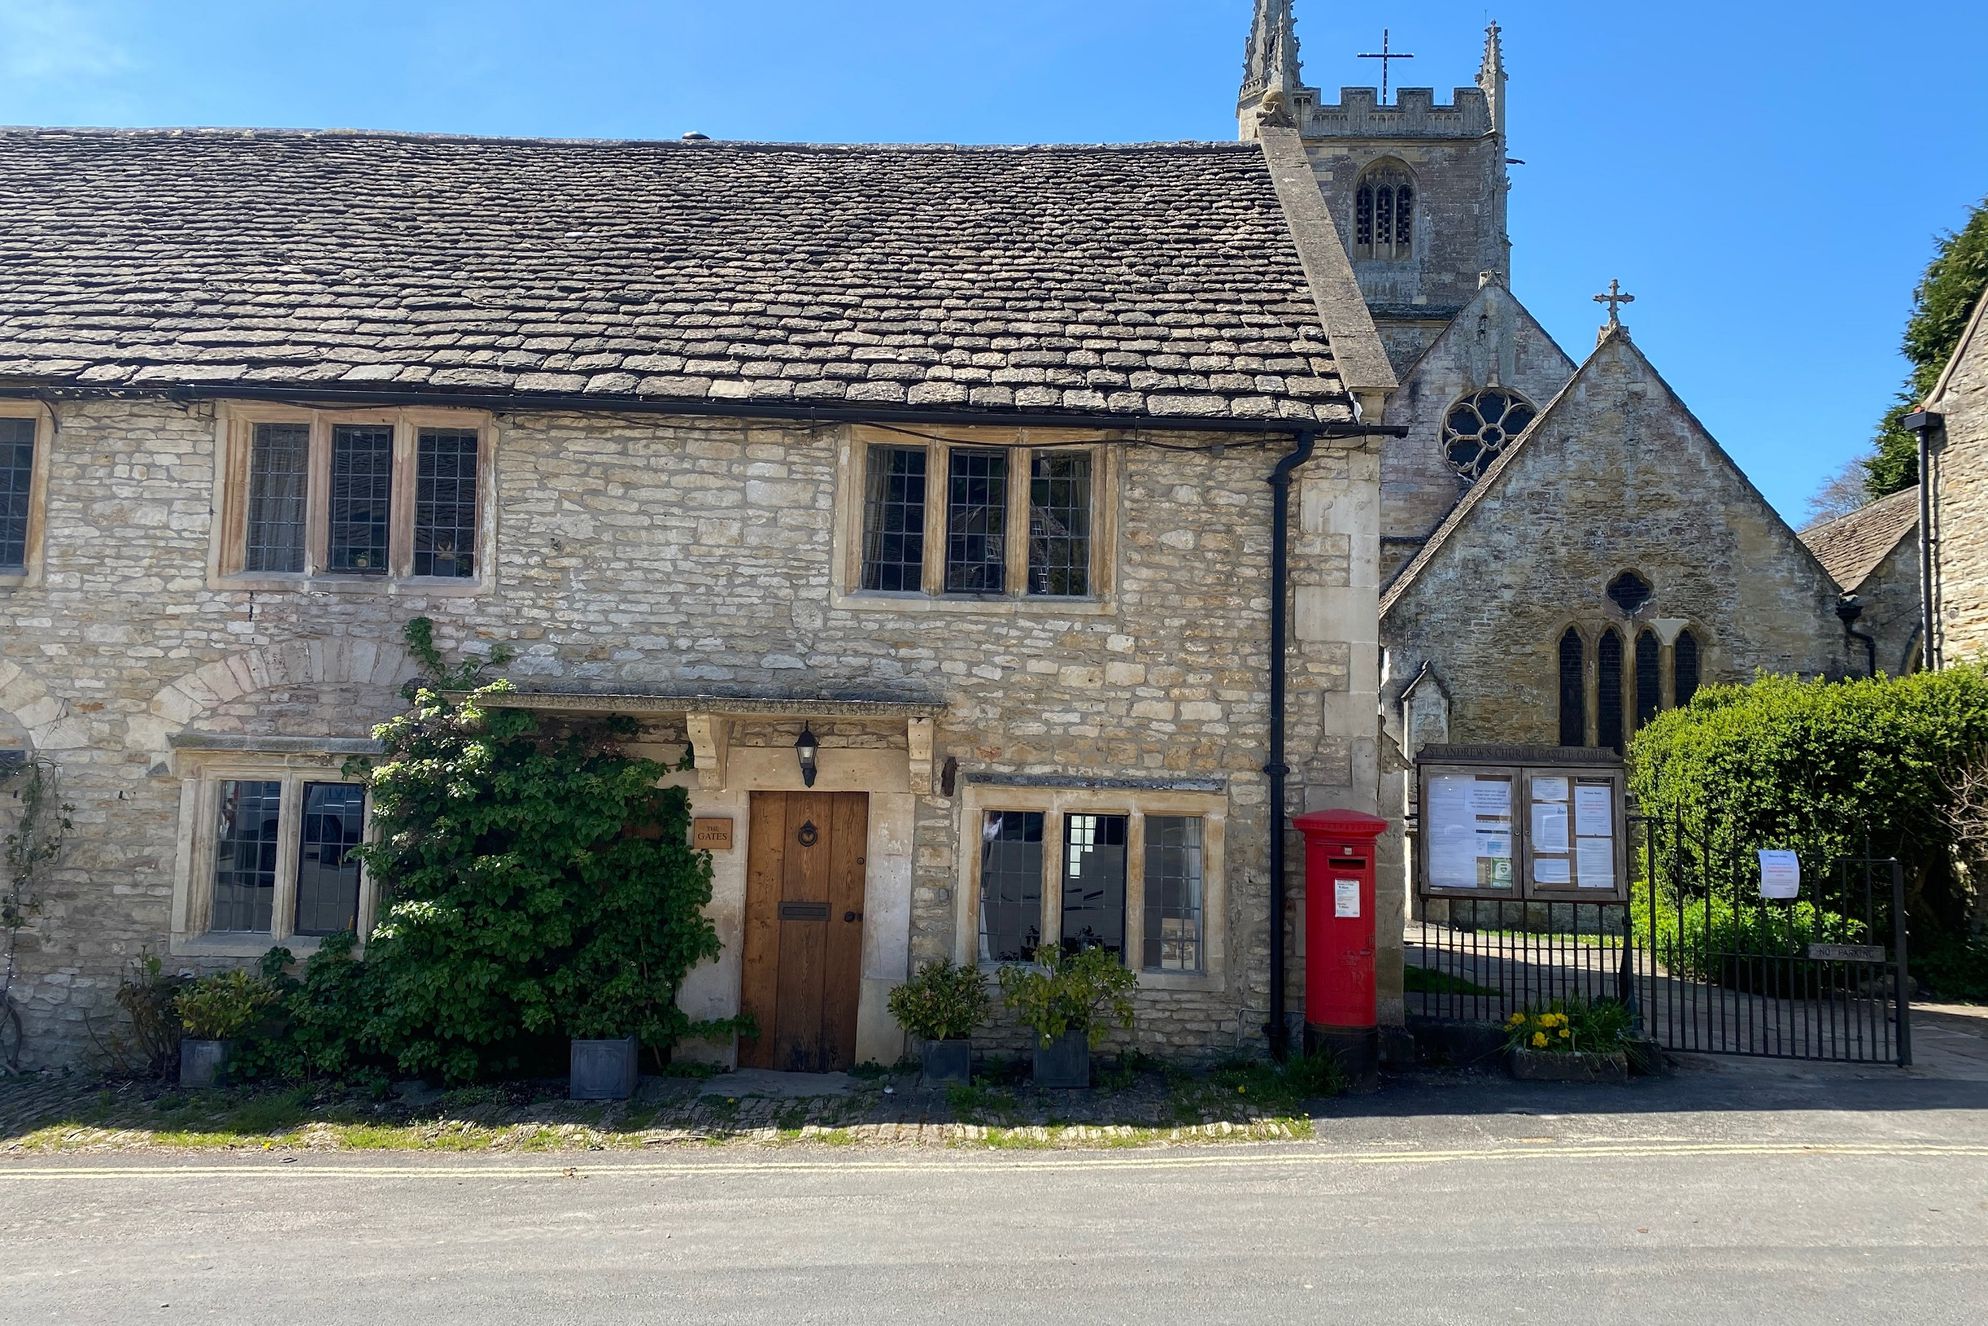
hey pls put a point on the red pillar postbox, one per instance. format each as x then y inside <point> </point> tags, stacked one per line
<point>1340,1013</point>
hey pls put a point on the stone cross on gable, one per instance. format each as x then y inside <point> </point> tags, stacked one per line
<point>1614,297</point>
<point>1386,56</point>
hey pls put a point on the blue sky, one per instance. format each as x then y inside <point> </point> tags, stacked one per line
<point>1766,177</point>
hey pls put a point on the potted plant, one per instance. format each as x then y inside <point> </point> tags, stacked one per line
<point>213,1011</point>
<point>1065,999</point>
<point>941,1006</point>
<point>1570,1040</point>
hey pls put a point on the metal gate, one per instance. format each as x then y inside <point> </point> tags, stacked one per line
<point>1724,970</point>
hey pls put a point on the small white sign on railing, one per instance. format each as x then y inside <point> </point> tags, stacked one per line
<point>1780,874</point>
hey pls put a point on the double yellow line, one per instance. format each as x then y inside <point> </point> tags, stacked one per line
<point>1253,1159</point>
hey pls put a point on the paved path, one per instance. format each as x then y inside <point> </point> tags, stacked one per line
<point>1816,1200</point>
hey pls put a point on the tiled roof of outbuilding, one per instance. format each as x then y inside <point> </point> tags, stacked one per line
<point>1139,280</point>
<point>1850,547</point>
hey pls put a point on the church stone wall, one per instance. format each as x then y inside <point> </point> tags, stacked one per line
<point>1960,514</point>
<point>1620,477</point>
<point>660,554</point>
<point>1494,340</point>
<point>1890,595</point>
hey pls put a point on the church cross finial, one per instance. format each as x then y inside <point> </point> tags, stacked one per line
<point>1386,55</point>
<point>1614,298</point>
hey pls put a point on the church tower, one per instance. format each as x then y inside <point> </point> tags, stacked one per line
<point>1417,187</point>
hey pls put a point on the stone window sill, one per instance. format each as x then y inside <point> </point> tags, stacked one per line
<point>426,586</point>
<point>214,945</point>
<point>1034,605</point>
<point>1176,982</point>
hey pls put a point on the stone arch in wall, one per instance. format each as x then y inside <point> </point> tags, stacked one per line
<point>321,664</point>
<point>44,721</point>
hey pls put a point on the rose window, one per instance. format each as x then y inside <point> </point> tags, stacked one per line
<point>1478,427</point>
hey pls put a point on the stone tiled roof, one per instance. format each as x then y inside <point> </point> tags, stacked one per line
<point>1850,547</point>
<point>1140,280</point>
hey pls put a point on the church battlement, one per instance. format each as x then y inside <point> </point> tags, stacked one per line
<point>1415,114</point>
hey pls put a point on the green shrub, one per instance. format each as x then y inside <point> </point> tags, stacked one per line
<point>538,882</point>
<point>223,1006</point>
<point>1062,992</point>
<point>1954,970</point>
<point>1709,939</point>
<point>942,1002</point>
<point>1830,769</point>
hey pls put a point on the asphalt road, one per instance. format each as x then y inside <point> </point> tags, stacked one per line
<point>1757,1216</point>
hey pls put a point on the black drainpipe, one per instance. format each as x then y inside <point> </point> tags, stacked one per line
<point>1922,423</point>
<point>1280,584</point>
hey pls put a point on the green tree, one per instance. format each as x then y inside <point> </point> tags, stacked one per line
<point>1941,302</point>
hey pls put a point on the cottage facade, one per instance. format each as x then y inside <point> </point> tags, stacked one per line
<point>738,440</point>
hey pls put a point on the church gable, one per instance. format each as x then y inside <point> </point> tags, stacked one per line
<point>1617,487</point>
<point>1494,346</point>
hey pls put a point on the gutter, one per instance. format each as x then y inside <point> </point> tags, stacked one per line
<point>1280,583</point>
<point>596,403</point>
<point>1922,423</point>
<point>1848,609</point>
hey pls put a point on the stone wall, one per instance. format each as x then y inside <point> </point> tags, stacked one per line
<point>1960,505</point>
<point>1890,595</point>
<point>643,553</point>
<point>1493,341</point>
<point>1619,477</point>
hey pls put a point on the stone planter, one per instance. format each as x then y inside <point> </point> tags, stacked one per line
<point>603,1069</point>
<point>1568,1066</point>
<point>1065,1062</point>
<point>203,1063</point>
<point>946,1063</point>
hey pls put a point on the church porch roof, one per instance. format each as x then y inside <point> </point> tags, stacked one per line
<point>1851,547</point>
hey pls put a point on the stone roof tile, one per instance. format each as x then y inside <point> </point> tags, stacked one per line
<point>672,270</point>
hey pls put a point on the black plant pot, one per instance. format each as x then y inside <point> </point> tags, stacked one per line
<point>603,1070</point>
<point>203,1063</point>
<point>947,1063</point>
<point>1065,1062</point>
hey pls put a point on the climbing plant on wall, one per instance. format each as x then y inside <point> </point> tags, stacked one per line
<point>36,840</point>
<point>538,882</point>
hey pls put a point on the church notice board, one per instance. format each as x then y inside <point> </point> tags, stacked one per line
<point>1520,822</point>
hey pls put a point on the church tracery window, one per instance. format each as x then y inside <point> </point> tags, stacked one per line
<point>1384,213</point>
<point>1684,668</point>
<point>1630,592</point>
<point>1608,690</point>
<point>1573,689</point>
<point>1620,683</point>
<point>1478,427</point>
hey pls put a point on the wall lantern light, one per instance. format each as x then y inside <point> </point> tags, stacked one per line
<point>805,746</point>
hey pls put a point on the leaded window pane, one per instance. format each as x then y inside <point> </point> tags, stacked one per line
<point>445,502</point>
<point>327,872</point>
<point>1649,698</point>
<point>1010,885</point>
<point>17,472</point>
<point>894,520</point>
<point>1173,893</point>
<point>1608,691</point>
<point>245,855</point>
<point>1684,668</point>
<point>1060,523</point>
<point>1094,883</point>
<point>976,522</point>
<point>1479,427</point>
<point>361,497</point>
<point>279,473</point>
<point>1573,689</point>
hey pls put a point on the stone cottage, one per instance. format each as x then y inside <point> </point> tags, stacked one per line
<point>966,462</point>
<point>1956,415</point>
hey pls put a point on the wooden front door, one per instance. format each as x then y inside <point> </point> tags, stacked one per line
<point>804,929</point>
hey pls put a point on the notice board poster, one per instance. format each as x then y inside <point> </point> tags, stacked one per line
<point>1469,836</point>
<point>1551,830</point>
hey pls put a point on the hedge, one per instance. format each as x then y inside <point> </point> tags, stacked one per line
<point>1831,769</point>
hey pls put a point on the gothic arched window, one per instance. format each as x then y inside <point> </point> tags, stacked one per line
<point>1477,428</point>
<point>1573,689</point>
<point>1608,691</point>
<point>1684,668</point>
<point>1649,677</point>
<point>1384,213</point>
